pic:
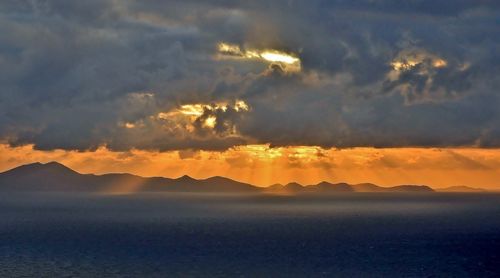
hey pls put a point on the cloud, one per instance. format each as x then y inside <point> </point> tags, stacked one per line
<point>77,76</point>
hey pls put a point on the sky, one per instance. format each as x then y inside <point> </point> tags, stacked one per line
<point>381,91</point>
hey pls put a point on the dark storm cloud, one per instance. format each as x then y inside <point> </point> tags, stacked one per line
<point>81,74</point>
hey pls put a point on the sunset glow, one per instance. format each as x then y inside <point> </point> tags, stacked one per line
<point>250,138</point>
<point>263,165</point>
<point>289,62</point>
<point>275,56</point>
<point>409,59</point>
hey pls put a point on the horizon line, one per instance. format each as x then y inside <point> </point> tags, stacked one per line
<point>251,184</point>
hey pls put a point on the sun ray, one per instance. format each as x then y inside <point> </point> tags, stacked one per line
<point>288,62</point>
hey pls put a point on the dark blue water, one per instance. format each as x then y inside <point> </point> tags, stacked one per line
<point>158,235</point>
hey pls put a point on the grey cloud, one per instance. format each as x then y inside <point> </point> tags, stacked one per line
<point>72,73</point>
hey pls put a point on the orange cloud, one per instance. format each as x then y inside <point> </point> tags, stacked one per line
<point>262,165</point>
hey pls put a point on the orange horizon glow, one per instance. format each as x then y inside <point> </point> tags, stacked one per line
<point>262,165</point>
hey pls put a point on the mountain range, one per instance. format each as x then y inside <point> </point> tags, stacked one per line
<point>55,177</point>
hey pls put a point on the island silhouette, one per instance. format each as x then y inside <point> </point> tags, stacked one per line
<point>56,177</point>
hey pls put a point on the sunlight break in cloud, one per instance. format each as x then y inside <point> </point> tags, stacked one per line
<point>287,62</point>
<point>407,60</point>
<point>193,112</point>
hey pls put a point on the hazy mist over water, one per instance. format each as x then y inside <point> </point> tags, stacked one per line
<point>361,234</point>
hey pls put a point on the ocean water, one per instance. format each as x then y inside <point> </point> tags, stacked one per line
<point>204,235</point>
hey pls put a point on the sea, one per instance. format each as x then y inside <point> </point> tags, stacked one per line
<point>262,235</point>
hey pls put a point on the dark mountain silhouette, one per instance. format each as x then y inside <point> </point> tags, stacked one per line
<point>460,188</point>
<point>57,177</point>
<point>45,177</point>
<point>54,176</point>
<point>331,187</point>
<point>368,187</point>
<point>292,187</point>
<point>326,187</point>
<point>409,188</point>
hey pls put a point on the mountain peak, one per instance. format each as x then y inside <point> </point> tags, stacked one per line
<point>340,187</point>
<point>294,184</point>
<point>38,166</point>
<point>56,167</point>
<point>324,183</point>
<point>185,178</point>
<point>55,164</point>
